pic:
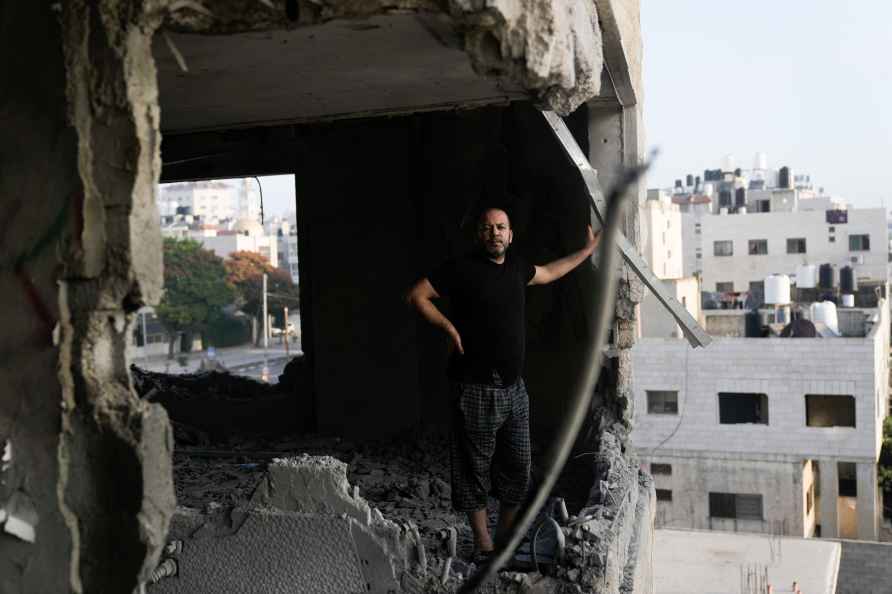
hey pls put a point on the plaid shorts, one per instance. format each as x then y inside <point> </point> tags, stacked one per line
<point>490,444</point>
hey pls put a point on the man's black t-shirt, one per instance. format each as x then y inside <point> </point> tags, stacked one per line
<point>488,302</point>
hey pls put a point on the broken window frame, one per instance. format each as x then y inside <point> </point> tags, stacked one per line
<point>734,400</point>
<point>812,401</point>
<point>694,333</point>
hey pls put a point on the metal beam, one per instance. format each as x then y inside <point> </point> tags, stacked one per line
<point>692,330</point>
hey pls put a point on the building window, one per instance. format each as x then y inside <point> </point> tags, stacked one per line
<point>825,410</point>
<point>723,248</point>
<point>742,407</point>
<point>662,402</point>
<point>859,243</point>
<point>763,206</point>
<point>735,505</point>
<point>796,245</point>
<point>726,287</point>
<point>664,495</point>
<point>757,287</point>
<point>831,239</point>
<point>758,247</point>
<point>660,468</point>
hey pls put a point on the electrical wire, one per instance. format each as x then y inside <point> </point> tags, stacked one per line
<point>260,187</point>
<point>603,308</point>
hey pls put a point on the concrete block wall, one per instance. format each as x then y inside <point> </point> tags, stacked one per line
<point>783,369</point>
<point>780,482</point>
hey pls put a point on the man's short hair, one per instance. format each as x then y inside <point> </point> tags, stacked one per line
<point>490,207</point>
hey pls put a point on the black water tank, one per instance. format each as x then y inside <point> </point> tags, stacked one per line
<point>848,282</point>
<point>737,172</point>
<point>784,178</point>
<point>826,276</point>
<point>678,183</point>
<point>740,197</point>
<point>725,199</point>
<point>689,180</point>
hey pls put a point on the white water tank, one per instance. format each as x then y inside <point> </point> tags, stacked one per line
<point>708,189</point>
<point>728,163</point>
<point>807,276</point>
<point>723,210</point>
<point>741,210</point>
<point>824,312</point>
<point>848,300</point>
<point>777,289</point>
<point>760,161</point>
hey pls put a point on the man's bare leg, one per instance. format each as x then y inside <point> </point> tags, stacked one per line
<point>480,528</point>
<point>507,515</point>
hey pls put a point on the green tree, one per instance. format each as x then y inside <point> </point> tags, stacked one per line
<point>884,468</point>
<point>195,288</point>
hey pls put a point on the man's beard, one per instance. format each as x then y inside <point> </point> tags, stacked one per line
<point>495,250</point>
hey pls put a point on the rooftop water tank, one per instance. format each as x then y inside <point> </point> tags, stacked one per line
<point>825,312</point>
<point>848,301</point>
<point>827,276</point>
<point>708,190</point>
<point>777,289</point>
<point>761,161</point>
<point>689,180</point>
<point>728,163</point>
<point>807,276</point>
<point>785,178</point>
<point>848,282</point>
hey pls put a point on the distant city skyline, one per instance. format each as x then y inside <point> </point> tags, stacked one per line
<point>808,83</point>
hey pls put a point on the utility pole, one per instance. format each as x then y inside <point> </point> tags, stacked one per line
<point>285,332</point>
<point>265,373</point>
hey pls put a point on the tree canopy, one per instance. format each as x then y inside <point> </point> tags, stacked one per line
<point>195,286</point>
<point>245,272</point>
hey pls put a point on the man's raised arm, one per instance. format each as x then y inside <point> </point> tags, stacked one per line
<point>554,270</point>
<point>419,297</point>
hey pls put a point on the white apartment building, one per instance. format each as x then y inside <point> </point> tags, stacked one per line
<point>246,235</point>
<point>212,200</point>
<point>776,435</point>
<point>661,246</point>
<point>739,250</point>
<point>740,226</point>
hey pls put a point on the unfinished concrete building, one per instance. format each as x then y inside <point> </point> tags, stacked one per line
<point>396,118</point>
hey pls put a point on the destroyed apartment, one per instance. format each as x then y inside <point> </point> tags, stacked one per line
<point>398,120</point>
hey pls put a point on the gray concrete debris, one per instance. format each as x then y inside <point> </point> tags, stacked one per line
<point>19,517</point>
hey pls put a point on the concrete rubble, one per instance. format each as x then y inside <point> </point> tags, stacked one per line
<point>389,505</point>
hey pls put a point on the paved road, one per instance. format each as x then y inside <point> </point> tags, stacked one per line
<point>245,361</point>
<point>255,369</point>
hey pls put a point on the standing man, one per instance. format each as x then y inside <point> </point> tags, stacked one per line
<point>491,429</point>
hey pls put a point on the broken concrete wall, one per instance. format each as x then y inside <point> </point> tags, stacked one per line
<point>304,528</point>
<point>551,49</point>
<point>78,166</point>
<point>38,164</point>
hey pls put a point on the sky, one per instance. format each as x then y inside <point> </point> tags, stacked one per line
<point>809,82</point>
<point>278,195</point>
